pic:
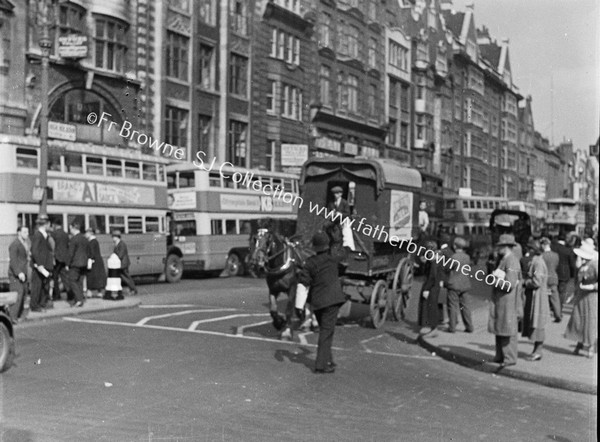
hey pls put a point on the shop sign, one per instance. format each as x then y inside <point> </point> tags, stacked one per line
<point>73,46</point>
<point>293,154</point>
<point>62,131</point>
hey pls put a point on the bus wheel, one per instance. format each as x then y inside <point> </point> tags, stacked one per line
<point>7,348</point>
<point>234,266</point>
<point>174,268</point>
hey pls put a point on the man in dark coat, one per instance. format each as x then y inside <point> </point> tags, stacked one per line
<point>458,285</point>
<point>96,275</point>
<point>61,250</point>
<point>18,252</point>
<point>552,261</point>
<point>42,261</point>
<point>566,267</point>
<point>428,303</point>
<point>121,251</point>
<point>321,275</point>
<point>76,264</point>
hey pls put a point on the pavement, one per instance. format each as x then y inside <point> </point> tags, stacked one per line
<point>558,368</point>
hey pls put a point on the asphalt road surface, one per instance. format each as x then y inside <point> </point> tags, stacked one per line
<point>199,361</point>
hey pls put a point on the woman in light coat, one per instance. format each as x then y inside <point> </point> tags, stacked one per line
<point>583,325</point>
<point>537,307</point>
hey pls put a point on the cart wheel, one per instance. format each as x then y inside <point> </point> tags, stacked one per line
<point>379,303</point>
<point>403,279</point>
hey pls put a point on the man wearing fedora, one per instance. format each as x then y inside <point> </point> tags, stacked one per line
<point>320,276</point>
<point>458,285</point>
<point>42,261</point>
<point>503,308</point>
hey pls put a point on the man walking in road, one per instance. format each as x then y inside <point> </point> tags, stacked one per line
<point>76,264</point>
<point>121,251</point>
<point>42,262</point>
<point>458,285</point>
<point>61,250</point>
<point>552,261</point>
<point>18,252</point>
<point>321,275</point>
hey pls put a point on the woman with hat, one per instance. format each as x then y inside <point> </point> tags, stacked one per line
<point>537,308</point>
<point>320,276</point>
<point>583,325</point>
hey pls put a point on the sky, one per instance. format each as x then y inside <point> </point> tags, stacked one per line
<point>554,53</point>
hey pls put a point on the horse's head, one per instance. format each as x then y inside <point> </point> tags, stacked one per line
<point>259,248</point>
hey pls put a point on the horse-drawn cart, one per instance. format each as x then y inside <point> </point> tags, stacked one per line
<point>383,197</point>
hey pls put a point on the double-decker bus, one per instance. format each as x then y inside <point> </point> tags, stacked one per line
<point>469,217</point>
<point>212,217</point>
<point>101,187</point>
<point>564,216</point>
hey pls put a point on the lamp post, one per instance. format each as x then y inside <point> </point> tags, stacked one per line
<point>45,44</point>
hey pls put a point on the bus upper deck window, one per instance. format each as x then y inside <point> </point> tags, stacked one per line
<point>171,182</point>
<point>134,224</point>
<point>152,224</point>
<point>214,179</point>
<point>73,163</point>
<point>216,227</point>
<point>479,204</point>
<point>465,204</point>
<point>288,186</point>
<point>53,160</point>
<point>132,170</point>
<point>93,166</point>
<point>27,158</point>
<point>149,172</point>
<point>114,168</point>
<point>187,179</point>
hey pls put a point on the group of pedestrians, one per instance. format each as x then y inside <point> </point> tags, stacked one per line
<point>532,292</point>
<point>535,290</point>
<point>39,262</point>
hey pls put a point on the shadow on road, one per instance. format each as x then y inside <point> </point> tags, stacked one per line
<point>300,356</point>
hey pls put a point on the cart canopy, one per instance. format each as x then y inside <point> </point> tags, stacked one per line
<point>384,172</point>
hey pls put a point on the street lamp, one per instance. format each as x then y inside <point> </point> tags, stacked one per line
<point>45,45</point>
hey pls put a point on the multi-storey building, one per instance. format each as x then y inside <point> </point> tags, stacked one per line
<point>431,134</point>
<point>526,141</point>
<point>346,116</point>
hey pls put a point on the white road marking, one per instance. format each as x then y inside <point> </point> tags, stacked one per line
<point>167,305</point>
<point>186,312</point>
<point>228,335</point>
<point>240,330</point>
<point>194,325</point>
<point>363,342</point>
<point>183,330</point>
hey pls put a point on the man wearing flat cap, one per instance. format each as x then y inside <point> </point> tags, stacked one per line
<point>42,261</point>
<point>503,320</point>
<point>338,203</point>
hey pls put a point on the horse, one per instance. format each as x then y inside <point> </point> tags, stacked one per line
<point>282,258</point>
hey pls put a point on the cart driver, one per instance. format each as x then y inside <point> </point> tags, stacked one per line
<point>340,232</point>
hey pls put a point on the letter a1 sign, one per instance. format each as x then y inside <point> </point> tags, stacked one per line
<point>266,204</point>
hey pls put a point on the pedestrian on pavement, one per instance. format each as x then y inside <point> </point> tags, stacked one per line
<point>121,251</point>
<point>42,263</point>
<point>552,260</point>
<point>18,253</point>
<point>536,308</point>
<point>77,264</point>
<point>428,302</point>
<point>61,250</point>
<point>583,324</point>
<point>320,276</point>
<point>458,285</point>
<point>446,251</point>
<point>503,308</point>
<point>96,272</point>
<point>566,267</point>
